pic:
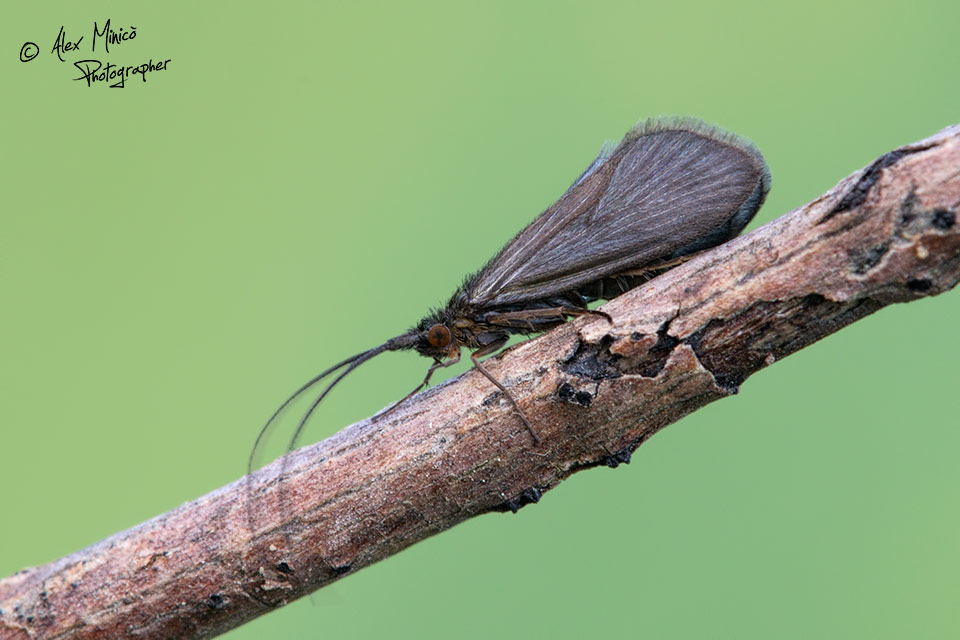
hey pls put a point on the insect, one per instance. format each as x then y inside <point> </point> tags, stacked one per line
<point>670,189</point>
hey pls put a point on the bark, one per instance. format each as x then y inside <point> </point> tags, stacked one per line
<point>594,390</point>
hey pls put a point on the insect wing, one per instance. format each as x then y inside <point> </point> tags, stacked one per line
<point>669,188</point>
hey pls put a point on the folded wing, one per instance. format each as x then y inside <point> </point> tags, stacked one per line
<point>668,189</point>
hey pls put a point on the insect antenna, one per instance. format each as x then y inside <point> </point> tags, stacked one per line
<point>404,341</point>
<point>286,403</point>
<point>355,362</point>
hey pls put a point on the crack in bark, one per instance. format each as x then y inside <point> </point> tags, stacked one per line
<point>857,194</point>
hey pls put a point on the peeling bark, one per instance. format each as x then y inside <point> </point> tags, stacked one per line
<point>595,390</point>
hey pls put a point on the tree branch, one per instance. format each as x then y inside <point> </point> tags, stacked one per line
<point>595,391</point>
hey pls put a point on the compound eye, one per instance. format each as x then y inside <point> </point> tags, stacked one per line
<point>439,336</point>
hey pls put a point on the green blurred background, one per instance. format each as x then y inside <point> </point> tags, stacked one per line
<point>305,179</point>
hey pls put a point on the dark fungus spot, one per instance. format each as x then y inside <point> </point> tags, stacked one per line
<point>29,619</point>
<point>867,260</point>
<point>636,336</point>
<point>591,360</point>
<point>527,496</point>
<point>943,219</point>
<point>216,601</point>
<point>284,567</point>
<point>908,208</point>
<point>620,457</point>
<point>339,570</point>
<point>729,382</point>
<point>660,351</point>
<point>919,285</point>
<point>568,393</point>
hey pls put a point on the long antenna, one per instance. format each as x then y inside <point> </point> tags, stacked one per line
<point>286,403</point>
<point>355,362</point>
<point>403,341</point>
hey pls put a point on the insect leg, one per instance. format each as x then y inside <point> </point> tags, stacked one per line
<point>490,348</point>
<point>656,268</point>
<point>508,318</point>
<point>438,364</point>
<point>587,312</point>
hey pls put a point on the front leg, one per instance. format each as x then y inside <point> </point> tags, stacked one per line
<point>437,364</point>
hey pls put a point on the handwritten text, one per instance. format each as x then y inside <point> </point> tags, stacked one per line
<point>95,71</point>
